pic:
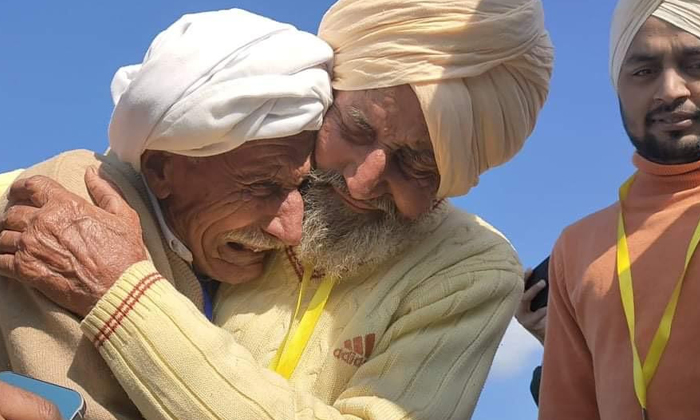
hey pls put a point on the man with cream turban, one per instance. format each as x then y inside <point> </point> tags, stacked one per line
<point>393,305</point>
<point>622,320</point>
<point>210,138</point>
<point>479,71</point>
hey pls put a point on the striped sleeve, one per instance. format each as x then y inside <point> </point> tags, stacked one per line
<point>174,364</point>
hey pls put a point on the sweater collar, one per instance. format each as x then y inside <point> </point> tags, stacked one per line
<point>658,178</point>
<point>691,169</point>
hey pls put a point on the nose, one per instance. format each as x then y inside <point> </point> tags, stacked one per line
<point>672,88</point>
<point>286,223</point>
<point>365,179</point>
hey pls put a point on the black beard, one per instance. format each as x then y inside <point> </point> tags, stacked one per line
<point>665,153</point>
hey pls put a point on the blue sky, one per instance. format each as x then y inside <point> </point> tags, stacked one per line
<point>57,60</point>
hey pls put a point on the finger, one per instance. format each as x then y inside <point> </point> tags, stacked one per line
<point>537,316</point>
<point>527,274</point>
<point>542,325</point>
<point>9,241</point>
<point>19,191</point>
<point>17,217</point>
<point>533,291</point>
<point>18,404</point>
<point>36,189</point>
<point>7,266</point>
<point>105,194</point>
<point>11,201</point>
<point>105,176</point>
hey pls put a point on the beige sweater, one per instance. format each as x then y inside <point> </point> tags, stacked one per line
<point>413,339</point>
<point>40,339</point>
<point>7,178</point>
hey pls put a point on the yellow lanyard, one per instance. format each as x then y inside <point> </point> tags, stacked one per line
<point>292,347</point>
<point>643,375</point>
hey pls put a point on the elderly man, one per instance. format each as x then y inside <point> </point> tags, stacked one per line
<point>394,303</point>
<point>211,137</point>
<point>622,330</point>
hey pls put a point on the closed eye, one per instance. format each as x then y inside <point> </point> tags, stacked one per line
<point>264,188</point>
<point>417,164</point>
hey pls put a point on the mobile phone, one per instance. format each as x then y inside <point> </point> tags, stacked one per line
<point>70,403</point>
<point>541,272</point>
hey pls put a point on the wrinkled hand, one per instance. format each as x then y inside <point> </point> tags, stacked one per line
<point>67,248</point>
<point>18,404</point>
<point>535,322</point>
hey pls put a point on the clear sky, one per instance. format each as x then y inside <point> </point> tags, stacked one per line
<point>57,60</point>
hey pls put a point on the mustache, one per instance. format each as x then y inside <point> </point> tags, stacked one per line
<point>318,178</point>
<point>671,108</point>
<point>253,238</point>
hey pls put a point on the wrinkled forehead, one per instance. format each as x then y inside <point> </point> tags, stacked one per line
<point>291,150</point>
<point>285,159</point>
<point>390,113</point>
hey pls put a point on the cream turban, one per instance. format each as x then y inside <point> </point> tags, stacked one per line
<point>630,15</point>
<point>480,69</point>
<point>214,80</point>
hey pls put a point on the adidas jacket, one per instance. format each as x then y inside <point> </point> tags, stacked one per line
<point>413,339</point>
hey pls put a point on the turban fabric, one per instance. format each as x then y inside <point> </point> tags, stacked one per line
<point>480,70</point>
<point>630,15</point>
<point>214,80</point>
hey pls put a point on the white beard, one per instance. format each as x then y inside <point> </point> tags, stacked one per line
<point>339,241</point>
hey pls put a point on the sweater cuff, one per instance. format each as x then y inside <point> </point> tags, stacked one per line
<point>123,301</point>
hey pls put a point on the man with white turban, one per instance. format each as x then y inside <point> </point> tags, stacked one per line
<point>393,305</point>
<point>211,137</point>
<point>622,320</point>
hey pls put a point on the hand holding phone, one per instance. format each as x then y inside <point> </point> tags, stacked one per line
<point>24,398</point>
<point>541,272</point>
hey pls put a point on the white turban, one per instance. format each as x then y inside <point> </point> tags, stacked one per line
<point>214,80</point>
<point>480,70</point>
<point>630,15</point>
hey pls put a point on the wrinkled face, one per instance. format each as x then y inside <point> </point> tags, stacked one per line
<point>378,141</point>
<point>659,89</point>
<point>340,241</point>
<point>231,210</point>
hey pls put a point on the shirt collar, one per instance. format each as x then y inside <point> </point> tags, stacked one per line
<point>174,243</point>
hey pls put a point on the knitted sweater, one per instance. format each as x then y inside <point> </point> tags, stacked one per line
<point>7,178</point>
<point>39,339</point>
<point>412,339</point>
<point>587,371</point>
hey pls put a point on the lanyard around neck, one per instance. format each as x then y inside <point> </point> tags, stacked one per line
<point>644,374</point>
<point>289,353</point>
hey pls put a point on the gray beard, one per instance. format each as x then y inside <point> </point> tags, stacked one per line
<point>339,241</point>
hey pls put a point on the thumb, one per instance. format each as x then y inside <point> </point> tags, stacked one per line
<point>18,404</point>
<point>105,194</point>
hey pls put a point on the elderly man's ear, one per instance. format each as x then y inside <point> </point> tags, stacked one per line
<point>158,169</point>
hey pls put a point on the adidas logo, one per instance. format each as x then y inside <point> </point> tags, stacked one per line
<point>356,351</point>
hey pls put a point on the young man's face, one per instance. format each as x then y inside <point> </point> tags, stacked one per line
<point>659,90</point>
